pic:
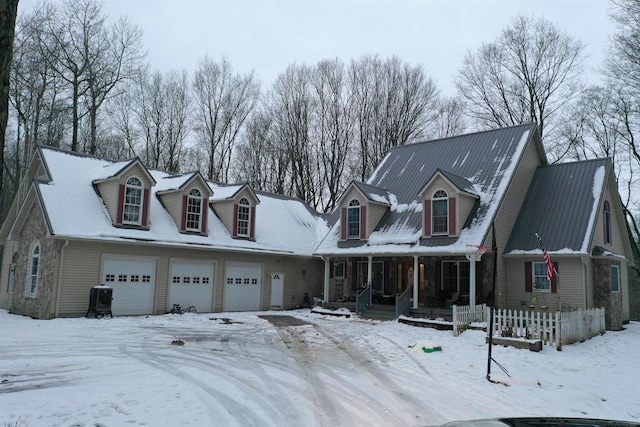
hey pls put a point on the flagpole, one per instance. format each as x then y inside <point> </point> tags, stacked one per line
<point>494,248</point>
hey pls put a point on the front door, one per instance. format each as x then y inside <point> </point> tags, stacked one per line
<point>277,289</point>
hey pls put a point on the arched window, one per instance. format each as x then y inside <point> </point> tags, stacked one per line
<point>194,210</point>
<point>607,222</point>
<point>32,277</point>
<point>132,213</point>
<point>440,213</point>
<point>353,219</point>
<point>244,217</point>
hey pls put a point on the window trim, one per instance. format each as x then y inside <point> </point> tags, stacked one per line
<point>335,270</point>
<point>459,276</point>
<point>440,196</point>
<point>194,201</point>
<point>31,288</point>
<point>244,208</point>
<point>615,268</point>
<point>607,222</point>
<point>129,185</point>
<point>535,279</point>
<point>354,206</point>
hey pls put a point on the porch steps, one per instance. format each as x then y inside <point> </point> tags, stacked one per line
<point>379,312</point>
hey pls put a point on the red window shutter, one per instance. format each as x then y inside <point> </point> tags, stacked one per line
<point>235,220</point>
<point>120,205</point>
<point>452,217</point>
<point>528,277</point>
<point>554,280</point>
<point>427,217</point>
<point>331,270</point>
<point>205,211</point>
<point>343,224</point>
<point>183,223</point>
<point>252,231</point>
<point>363,222</point>
<point>145,208</point>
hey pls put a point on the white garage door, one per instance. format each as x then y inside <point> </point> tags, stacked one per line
<point>133,282</point>
<point>191,283</point>
<point>242,287</point>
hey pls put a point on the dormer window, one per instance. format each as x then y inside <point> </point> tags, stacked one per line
<point>132,213</point>
<point>440,213</point>
<point>353,219</point>
<point>194,210</point>
<point>244,218</point>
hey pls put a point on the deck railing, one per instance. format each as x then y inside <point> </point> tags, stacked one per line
<point>363,299</point>
<point>463,316</point>
<point>403,303</point>
<point>552,328</point>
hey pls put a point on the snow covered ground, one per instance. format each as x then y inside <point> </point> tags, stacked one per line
<point>326,371</point>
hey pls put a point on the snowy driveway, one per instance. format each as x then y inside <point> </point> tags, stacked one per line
<point>244,370</point>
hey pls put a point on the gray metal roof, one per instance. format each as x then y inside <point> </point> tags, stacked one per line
<point>559,206</point>
<point>370,190</point>
<point>460,182</point>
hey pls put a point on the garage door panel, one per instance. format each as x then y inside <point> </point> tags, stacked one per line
<point>133,283</point>
<point>243,287</point>
<point>191,283</point>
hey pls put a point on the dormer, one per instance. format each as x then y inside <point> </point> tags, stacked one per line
<point>187,202</point>
<point>448,200</point>
<point>236,208</point>
<point>362,206</point>
<point>125,192</point>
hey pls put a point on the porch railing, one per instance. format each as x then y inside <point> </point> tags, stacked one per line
<point>363,299</point>
<point>464,315</point>
<point>403,302</point>
<point>552,328</point>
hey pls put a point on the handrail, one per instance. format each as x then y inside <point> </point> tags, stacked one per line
<point>403,302</point>
<point>363,299</point>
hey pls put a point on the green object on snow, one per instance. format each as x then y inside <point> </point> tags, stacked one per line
<point>431,350</point>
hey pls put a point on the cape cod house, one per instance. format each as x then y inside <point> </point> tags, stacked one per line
<point>156,238</point>
<point>422,226</point>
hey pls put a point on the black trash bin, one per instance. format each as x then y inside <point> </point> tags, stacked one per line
<point>100,301</point>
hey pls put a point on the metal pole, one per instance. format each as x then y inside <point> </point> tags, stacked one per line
<point>494,248</point>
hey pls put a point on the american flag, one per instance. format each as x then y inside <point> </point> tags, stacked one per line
<point>550,268</point>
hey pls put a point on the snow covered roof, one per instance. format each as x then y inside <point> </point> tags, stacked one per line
<point>481,163</point>
<point>75,210</point>
<point>562,206</point>
<point>375,194</point>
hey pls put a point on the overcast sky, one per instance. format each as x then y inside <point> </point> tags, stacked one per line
<point>268,35</point>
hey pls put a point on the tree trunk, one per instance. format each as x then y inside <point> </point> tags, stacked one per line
<point>8,12</point>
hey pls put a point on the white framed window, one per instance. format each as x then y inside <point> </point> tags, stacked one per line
<point>607,222</point>
<point>34,267</point>
<point>615,278</point>
<point>244,217</point>
<point>353,219</point>
<point>455,277</point>
<point>338,270</point>
<point>132,212</point>
<point>540,281</point>
<point>194,210</point>
<point>377,271</point>
<point>440,213</point>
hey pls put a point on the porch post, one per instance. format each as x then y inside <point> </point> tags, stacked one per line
<point>415,281</point>
<point>369,278</point>
<point>327,266</point>
<point>473,258</point>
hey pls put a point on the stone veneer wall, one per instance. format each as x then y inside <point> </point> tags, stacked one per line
<point>602,295</point>
<point>35,229</point>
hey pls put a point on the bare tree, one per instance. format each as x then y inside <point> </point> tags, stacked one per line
<point>223,101</point>
<point>448,118</point>
<point>529,74</point>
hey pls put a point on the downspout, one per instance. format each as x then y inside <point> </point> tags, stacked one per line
<point>369,278</point>
<point>415,281</point>
<point>584,281</point>
<point>59,290</point>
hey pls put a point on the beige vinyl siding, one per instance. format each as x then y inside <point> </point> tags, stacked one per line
<point>624,288</point>
<point>375,212</point>
<point>109,192</point>
<point>507,215</point>
<point>8,250</point>
<point>617,228</point>
<point>224,210</point>
<point>83,264</point>
<point>353,193</point>
<point>439,183</point>
<point>464,205</point>
<point>173,204</point>
<point>571,285</point>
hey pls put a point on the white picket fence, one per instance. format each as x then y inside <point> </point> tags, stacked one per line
<point>552,328</point>
<point>463,316</point>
